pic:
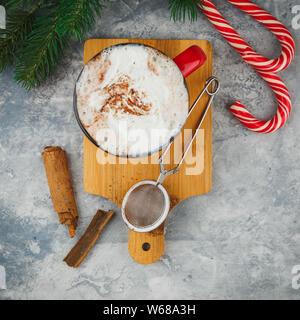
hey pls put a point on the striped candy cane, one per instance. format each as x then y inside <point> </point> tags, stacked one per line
<point>265,67</point>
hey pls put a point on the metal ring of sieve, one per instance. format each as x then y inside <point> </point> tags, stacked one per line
<point>145,206</point>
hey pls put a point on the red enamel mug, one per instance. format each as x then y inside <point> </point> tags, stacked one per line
<point>187,61</point>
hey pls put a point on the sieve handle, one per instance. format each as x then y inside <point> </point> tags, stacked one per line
<point>214,89</point>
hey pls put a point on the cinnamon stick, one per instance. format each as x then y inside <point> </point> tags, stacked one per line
<point>58,176</point>
<point>86,242</point>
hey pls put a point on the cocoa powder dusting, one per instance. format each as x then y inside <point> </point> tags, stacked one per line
<point>121,99</point>
<point>152,68</point>
<point>106,64</point>
<point>101,77</point>
<point>124,100</point>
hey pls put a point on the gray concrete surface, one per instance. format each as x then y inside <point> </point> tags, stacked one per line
<point>239,241</point>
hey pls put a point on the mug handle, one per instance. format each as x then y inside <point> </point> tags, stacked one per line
<point>190,60</point>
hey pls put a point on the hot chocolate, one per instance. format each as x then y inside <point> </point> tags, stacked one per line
<point>131,99</point>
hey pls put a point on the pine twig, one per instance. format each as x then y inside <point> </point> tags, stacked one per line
<point>180,8</point>
<point>78,16</point>
<point>44,47</point>
<point>19,4</point>
<point>19,25</point>
<point>42,50</point>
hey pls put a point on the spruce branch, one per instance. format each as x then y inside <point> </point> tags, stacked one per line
<point>180,8</point>
<point>19,25</point>
<point>19,4</point>
<point>41,51</point>
<point>44,47</point>
<point>78,16</point>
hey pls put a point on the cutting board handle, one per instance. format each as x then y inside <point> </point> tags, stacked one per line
<point>147,247</point>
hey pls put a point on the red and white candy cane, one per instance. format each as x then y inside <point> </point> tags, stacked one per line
<point>265,67</point>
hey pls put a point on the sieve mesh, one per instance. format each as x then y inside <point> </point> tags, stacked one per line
<point>145,205</point>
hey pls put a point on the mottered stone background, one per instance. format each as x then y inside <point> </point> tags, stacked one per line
<point>239,241</point>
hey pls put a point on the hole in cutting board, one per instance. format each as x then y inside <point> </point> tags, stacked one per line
<point>146,246</point>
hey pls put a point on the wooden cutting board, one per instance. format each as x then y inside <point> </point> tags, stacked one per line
<point>111,177</point>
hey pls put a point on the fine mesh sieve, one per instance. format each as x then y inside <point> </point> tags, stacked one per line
<point>145,206</point>
<point>147,203</point>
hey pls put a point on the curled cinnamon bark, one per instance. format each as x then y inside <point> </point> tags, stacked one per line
<point>58,176</point>
<point>88,239</point>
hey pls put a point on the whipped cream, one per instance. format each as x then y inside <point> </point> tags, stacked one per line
<point>132,99</point>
